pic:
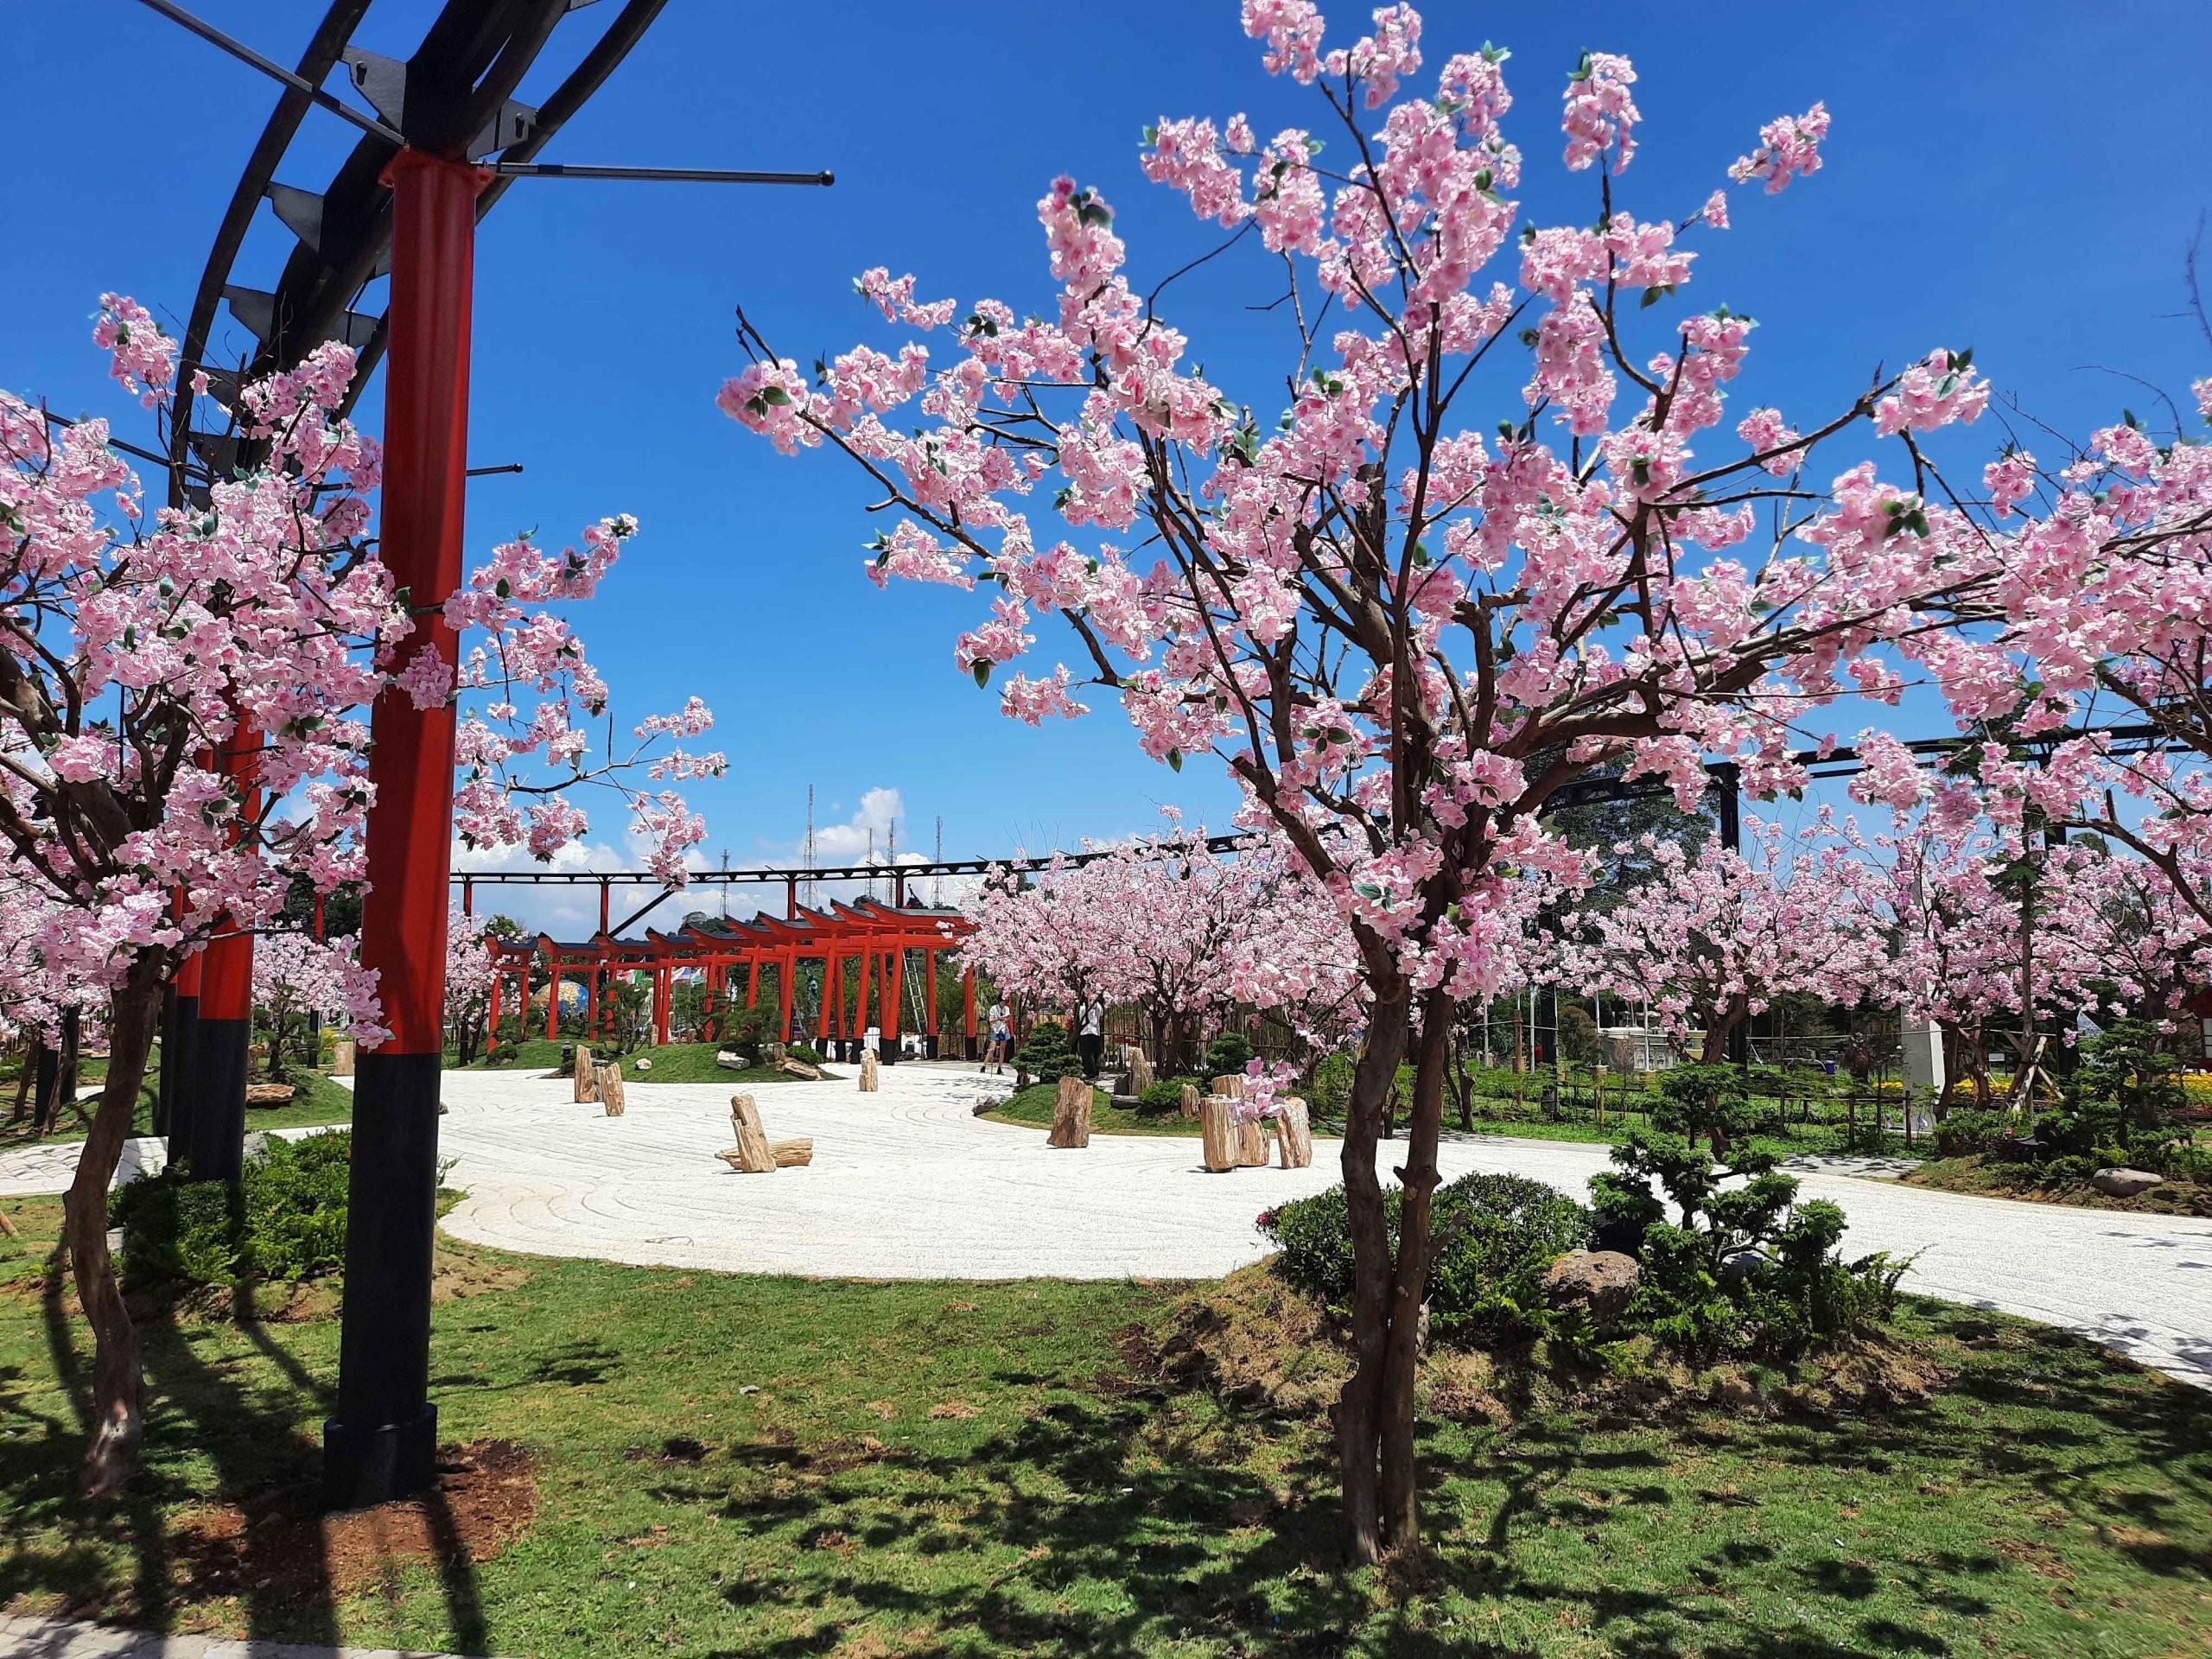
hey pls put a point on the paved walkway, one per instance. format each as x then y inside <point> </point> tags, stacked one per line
<point>55,1638</point>
<point>908,1184</point>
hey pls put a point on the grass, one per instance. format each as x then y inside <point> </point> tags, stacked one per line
<point>1032,1108</point>
<point>1974,1173</point>
<point>949,1469</point>
<point>316,1100</point>
<point>672,1062</point>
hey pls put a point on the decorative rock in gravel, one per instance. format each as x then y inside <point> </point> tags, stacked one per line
<point>728,1061</point>
<point>2125,1183</point>
<point>871,1072</point>
<point>1141,1076</point>
<point>1071,1113</point>
<point>586,1077</point>
<point>1600,1282</point>
<point>341,1058</point>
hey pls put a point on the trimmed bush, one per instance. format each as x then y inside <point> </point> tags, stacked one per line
<point>1230,1051</point>
<point>1497,1234</point>
<point>1741,1268</point>
<point>1047,1055</point>
<point>1165,1094</point>
<point>285,1220</point>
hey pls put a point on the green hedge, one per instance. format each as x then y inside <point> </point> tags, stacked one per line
<point>285,1220</point>
<point>1498,1233</point>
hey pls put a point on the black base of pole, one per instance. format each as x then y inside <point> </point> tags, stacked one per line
<point>176,1074</point>
<point>382,1442</point>
<point>215,1149</point>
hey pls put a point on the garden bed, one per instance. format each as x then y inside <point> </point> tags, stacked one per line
<point>1991,1179</point>
<point>1031,1108</point>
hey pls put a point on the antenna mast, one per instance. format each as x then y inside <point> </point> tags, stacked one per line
<point>810,844</point>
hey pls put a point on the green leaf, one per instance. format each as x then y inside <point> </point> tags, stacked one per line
<point>1150,134</point>
<point>981,668</point>
<point>1653,295</point>
<point>775,396</point>
<point>1175,760</point>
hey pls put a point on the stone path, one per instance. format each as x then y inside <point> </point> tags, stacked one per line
<point>55,1638</point>
<point>908,1184</point>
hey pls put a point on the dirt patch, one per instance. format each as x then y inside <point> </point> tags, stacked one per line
<point>1254,1344</point>
<point>277,1545</point>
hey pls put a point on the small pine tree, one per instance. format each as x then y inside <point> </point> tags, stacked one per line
<point>1229,1052</point>
<point>1046,1054</point>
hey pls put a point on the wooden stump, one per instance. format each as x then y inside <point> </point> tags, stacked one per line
<point>799,1069</point>
<point>871,1072</point>
<point>269,1094</point>
<point>1141,1076</point>
<point>790,1153</point>
<point>1252,1143</point>
<point>1191,1098</point>
<point>609,1088</point>
<point>753,1154</point>
<point>1230,1087</point>
<point>1217,1133</point>
<point>1071,1114</point>
<point>341,1058</point>
<point>1295,1133</point>
<point>586,1077</point>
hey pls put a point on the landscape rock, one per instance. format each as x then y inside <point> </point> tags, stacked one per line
<point>2117,1183</point>
<point>1599,1282</point>
<point>269,1094</point>
<point>729,1060</point>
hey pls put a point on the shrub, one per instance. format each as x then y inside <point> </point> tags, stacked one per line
<point>1746,1270</point>
<point>1329,1088</point>
<point>802,1052</point>
<point>1165,1094</point>
<point>286,1220</point>
<point>1230,1051</point>
<point>1047,1055</point>
<point>1495,1234</point>
<point>749,1029</point>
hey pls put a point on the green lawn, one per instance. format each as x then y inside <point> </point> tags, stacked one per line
<point>972,1469</point>
<point>1032,1108</point>
<point>316,1100</point>
<point>675,1062</point>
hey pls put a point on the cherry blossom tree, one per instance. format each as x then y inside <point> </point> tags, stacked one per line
<point>1718,935</point>
<point>183,730</point>
<point>469,981</point>
<point>295,976</point>
<point>1445,557</point>
<point>1178,928</point>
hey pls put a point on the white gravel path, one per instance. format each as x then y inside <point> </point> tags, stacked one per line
<point>909,1184</point>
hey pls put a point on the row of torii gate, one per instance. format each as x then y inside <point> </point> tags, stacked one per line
<point>872,936</point>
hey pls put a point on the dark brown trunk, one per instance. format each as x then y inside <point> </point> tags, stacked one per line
<point>1418,1177</point>
<point>1359,1405</point>
<point>24,1082</point>
<point>118,1404</point>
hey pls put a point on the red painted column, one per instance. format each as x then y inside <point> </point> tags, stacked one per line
<point>751,980</point>
<point>591,993</point>
<point>860,1021</point>
<point>968,1004</point>
<point>382,1441</point>
<point>553,997</point>
<point>832,986</point>
<point>215,1150</point>
<point>467,898</point>
<point>929,970</point>
<point>786,966</point>
<point>499,981</point>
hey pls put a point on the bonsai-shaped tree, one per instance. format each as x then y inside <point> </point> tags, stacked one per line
<point>1047,1054</point>
<point>1707,1100</point>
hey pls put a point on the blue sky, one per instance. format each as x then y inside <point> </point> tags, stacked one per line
<point>2023,179</point>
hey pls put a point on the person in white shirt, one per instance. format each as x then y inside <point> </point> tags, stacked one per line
<point>1090,1035</point>
<point>1001,1033</point>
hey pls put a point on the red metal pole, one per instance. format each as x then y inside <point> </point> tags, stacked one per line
<point>602,906</point>
<point>968,1004</point>
<point>785,967</point>
<point>467,896</point>
<point>553,996</point>
<point>319,934</point>
<point>382,1442</point>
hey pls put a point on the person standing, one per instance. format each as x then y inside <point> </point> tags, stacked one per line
<point>1001,1033</point>
<point>1091,1039</point>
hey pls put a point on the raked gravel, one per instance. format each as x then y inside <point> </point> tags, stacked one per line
<point>908,1183</point>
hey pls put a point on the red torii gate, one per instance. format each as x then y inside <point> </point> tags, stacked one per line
<point>876,936</point>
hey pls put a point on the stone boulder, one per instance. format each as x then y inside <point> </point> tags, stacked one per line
<point>1600,1282</point>
<point>2125,1183</point>
<point>269,1094</point>
<point>729,1060</point>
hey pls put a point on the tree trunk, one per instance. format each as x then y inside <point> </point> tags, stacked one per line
<point>1359,1405</point>
<point>32,1050</point>
<point>118,1389</point>
<point>1401,1490</point>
